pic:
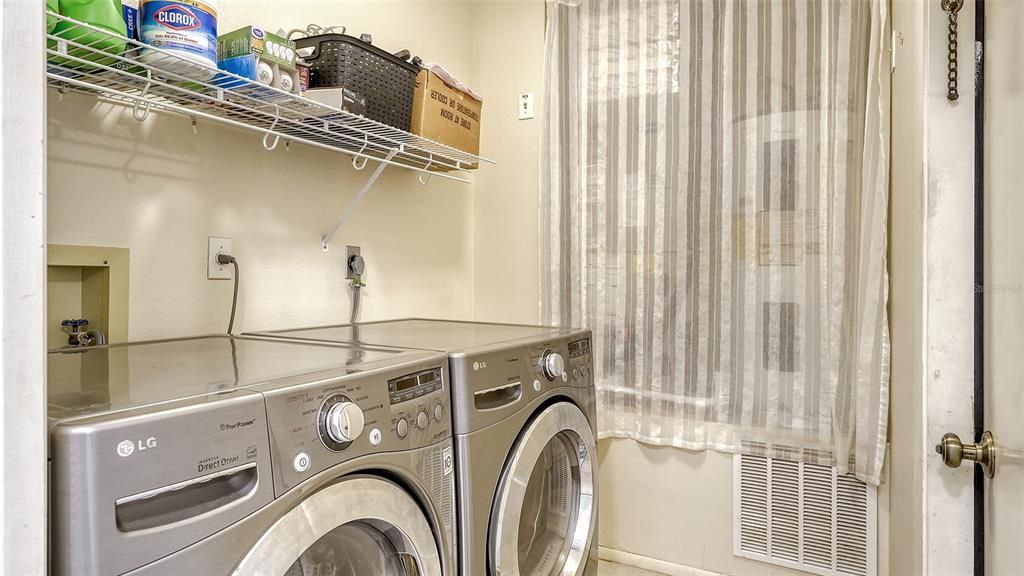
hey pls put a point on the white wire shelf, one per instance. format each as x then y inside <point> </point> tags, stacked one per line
<point>84,58</point>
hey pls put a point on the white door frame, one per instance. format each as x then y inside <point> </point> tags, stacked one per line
<point>932,264</point>
<point>23,437</point>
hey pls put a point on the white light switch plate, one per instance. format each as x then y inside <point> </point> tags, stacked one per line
<point>216,271</point>
<point>526,105</point>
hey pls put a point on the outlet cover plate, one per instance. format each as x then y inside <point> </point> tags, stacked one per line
<point>215,271</point>
<point>526,106</point>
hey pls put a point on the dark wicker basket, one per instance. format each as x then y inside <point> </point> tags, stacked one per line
<point>386,82</point>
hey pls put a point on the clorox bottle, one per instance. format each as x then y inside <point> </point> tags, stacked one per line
<point>103,14</point>
<point>182,30</point>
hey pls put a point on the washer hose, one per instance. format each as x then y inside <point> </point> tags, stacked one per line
<point>355,302</point>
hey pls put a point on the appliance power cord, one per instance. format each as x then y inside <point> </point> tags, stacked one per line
<point>229,259</point>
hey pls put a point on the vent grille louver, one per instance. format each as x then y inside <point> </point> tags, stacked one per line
<point>430,468</point>
<point>803,516</point>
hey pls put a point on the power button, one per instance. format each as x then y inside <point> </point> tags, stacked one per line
<point>301,462</point>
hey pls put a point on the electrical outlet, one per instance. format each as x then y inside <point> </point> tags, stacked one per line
<point>526,105</point>
<point>215,271</point>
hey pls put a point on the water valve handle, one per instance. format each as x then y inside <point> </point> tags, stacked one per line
<point>74,323</point>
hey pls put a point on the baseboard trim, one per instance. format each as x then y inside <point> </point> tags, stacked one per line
<point>652,564</point>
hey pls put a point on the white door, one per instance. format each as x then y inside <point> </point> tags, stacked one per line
<point>357,527</point>
<point>543,520</point>
<point>1004,294</point>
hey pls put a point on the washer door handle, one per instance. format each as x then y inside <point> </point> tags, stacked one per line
<point>409,564</point>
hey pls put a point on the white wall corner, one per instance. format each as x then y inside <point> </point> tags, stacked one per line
<point>23,443</point>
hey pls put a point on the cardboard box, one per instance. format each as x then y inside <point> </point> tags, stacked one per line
<point>446,115</point>
<point>241,52</point>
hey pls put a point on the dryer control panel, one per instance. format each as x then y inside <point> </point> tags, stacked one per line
<point>495,381</point>
<point>581,363</point>
<point>316,425</point>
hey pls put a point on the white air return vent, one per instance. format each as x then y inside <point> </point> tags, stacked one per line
<point>803,516</point>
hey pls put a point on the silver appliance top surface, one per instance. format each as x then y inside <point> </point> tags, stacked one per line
<point>95,380</point>
<point>441,335</point>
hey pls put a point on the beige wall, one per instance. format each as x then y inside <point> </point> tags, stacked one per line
<point>671,505</point>
<point>906,303</point>
<point>63,300</point>
<point>509,61</point>
<point>159,190</point>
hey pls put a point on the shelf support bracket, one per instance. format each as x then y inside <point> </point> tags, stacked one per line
<point>423,180</point>
<point>277,137</point>
<point>325,242</point>
<point>143,113</point>
<point>355,159</point>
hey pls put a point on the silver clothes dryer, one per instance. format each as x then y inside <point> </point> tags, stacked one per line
<point>524,418</point>
<point>231,455</point>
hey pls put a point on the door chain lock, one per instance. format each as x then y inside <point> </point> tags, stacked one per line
<point>952,10</point>
<point>954,452</point>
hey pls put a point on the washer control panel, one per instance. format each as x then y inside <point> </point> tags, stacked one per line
<point>339,422</point>
<point>552,364</point>
<point>316,425</point>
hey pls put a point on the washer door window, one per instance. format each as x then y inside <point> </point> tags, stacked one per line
<point>356,527</point>
<point>543,519</point>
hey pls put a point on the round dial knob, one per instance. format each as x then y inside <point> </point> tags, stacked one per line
<point>421,419</point>
<point>402,429</point>
<point>438,412</point>
<point>552,364</point>
<point>344,422</point>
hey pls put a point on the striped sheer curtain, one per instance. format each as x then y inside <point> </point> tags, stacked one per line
<point>713,205</point>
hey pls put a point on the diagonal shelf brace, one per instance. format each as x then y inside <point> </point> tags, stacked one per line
<point>325,242</point>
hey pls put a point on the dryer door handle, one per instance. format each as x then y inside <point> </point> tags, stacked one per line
<point>498,397</point>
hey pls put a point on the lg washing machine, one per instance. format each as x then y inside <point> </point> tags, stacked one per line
<point>524,418</point>
<point>234,455</point>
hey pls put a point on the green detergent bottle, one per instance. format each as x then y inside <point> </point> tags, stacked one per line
<point>103,14</point>
<point>51,6</point>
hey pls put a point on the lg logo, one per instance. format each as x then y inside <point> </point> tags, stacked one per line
<point>126,447</point>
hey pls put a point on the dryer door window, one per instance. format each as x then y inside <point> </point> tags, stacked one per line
<point>359,526</point>
<point>543,521</point>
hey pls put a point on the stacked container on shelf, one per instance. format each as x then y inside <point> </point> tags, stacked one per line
<point>186,29</point>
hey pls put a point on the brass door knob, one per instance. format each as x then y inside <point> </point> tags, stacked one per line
<point>954,452</point>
